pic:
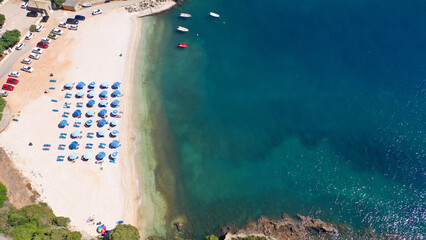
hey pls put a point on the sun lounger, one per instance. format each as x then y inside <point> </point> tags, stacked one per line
<point>52,88</point>
<point>62,145</point>
<point>55,110</point>
<point>111,161</point>
<point>64,115</point>
<point>54,100</point>
<point>52,80</point>
<point>61,148</point>
<point>119,222</point>
<point>46,149</point>
<point>60,159</point>
<point>47,145</point>
<point>15,120</point>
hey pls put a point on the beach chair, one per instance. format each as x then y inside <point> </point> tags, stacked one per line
<point>62,145</point>
<point>15,120</point>
<point>52,80</point>
<point>61,148</point>
<point>89,135</point>
<point>55,110</point>
<point>59,159</point>
<point>52,88</point>
<point>47,145</point>
<point>64,115</point>
<point>46,149</point>
<point>102,146</point>
<point>67,95</point>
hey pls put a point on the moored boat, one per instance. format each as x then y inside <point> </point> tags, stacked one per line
<point>214,15</point>
<point>182,45</point>
<point>185,15</point>
<point>182,29</point>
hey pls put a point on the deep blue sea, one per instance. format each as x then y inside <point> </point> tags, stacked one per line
<point>288,106</point>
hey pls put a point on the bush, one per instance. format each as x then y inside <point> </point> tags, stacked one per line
<point>58,2</point>
<point>2,19</point>
<point>2,106</point>
<point>61,221</point>
<point>33,28</point>
<point>211,237</point>
<point>3,189</point>
<point>124,232</point>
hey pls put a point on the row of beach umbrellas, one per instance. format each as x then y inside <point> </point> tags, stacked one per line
<point>101,133</point>
<point>92,93</point>
<point>103,103</point>
<point>101,123</point>
<point>92,85</point>
<point>88,156</point>
<point>113,144</point>
<point>91,113</point>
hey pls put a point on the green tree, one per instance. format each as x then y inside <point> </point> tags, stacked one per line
<point>124,232</point>
<point>61,221</point>
<point>3,189</point>
<point>211,237</point>
<point>74,236</point>
<point>2,19</point>
<point>58,2</point>
<point>10,38</point>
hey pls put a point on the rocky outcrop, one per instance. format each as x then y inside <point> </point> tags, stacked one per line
<point>144,5</point>
<point>284,228</point>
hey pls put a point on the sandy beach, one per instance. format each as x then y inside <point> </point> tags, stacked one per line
<point>102,50</point>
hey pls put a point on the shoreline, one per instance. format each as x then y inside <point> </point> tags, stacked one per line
<point>25,100</point>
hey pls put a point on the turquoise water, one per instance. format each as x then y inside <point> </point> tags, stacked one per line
<point>310,107</point>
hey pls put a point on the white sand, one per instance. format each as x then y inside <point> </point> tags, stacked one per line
<point>81,189</point>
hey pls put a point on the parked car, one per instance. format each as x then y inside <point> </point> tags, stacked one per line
<point>12,81</point>
<point>42,45</point>
<point>62,25</point>
<point>14,74</point>
<point>52,36</point>
<point>97,11</point>
<point>39,28</point>
<point>24,5</point>
<point>80,17</point>
<point>46,40</point>
<point>87,5</point>
<point>32,14</point>
<point>37,50</point>
<point>34,56</point>
<point>20,46</point>
<point>26,61</point>
<point>73,27</point>
<point>45,18</point>
<point>8,87</point>
<point>4,93</point>
<point>27,69</point>
<point>29,36</point>
<point>57,31</point>
<point>72,21</point>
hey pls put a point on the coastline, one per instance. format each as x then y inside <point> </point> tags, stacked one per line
<point>86,185</point>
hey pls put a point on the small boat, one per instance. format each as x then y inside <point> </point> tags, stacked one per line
<point>182,29</point>
<point>214,15</point>
<point>185,15</point>
<point>182,45</point>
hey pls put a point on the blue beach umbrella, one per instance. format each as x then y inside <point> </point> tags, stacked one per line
<point>104,93</point>
<point>63,123</point>
<point>116,85</point>
<point>90,113</point>
<point>114,133</point>
<point>74,145</point>
<point>92,85</point>
<point>114,113</point>
<point>115,103</point>
<point>100,155</point>
<point>73,156</point>
<point>103,103</point>
<point>114,123</point>
<point>89,123</point>
<point>91,103</point>
<point>114,155</point>
<point>68,85</point>
<point>101,133</point>
<point>103,112</point>
<point>91,94</point>
<point>87,156</point>
<point>115,144</point>
<point>81,85</point>
<point>115,93</point>
<point>75,133</point>
<point>76,113</point>
<point>79,94</point>
<point>104,85</point>
<point>102,122</point>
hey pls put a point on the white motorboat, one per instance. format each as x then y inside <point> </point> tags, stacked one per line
<point>182,29</point>
<point>214,15</point>
<point>185,15</point>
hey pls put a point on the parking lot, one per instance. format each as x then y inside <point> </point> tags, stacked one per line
<point>16,17</point>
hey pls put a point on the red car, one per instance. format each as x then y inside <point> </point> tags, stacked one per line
<point>42,45</point>
<point>8,87</point>
<point>12,80</point>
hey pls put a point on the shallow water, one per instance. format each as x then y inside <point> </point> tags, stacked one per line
<point>312,107</point>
